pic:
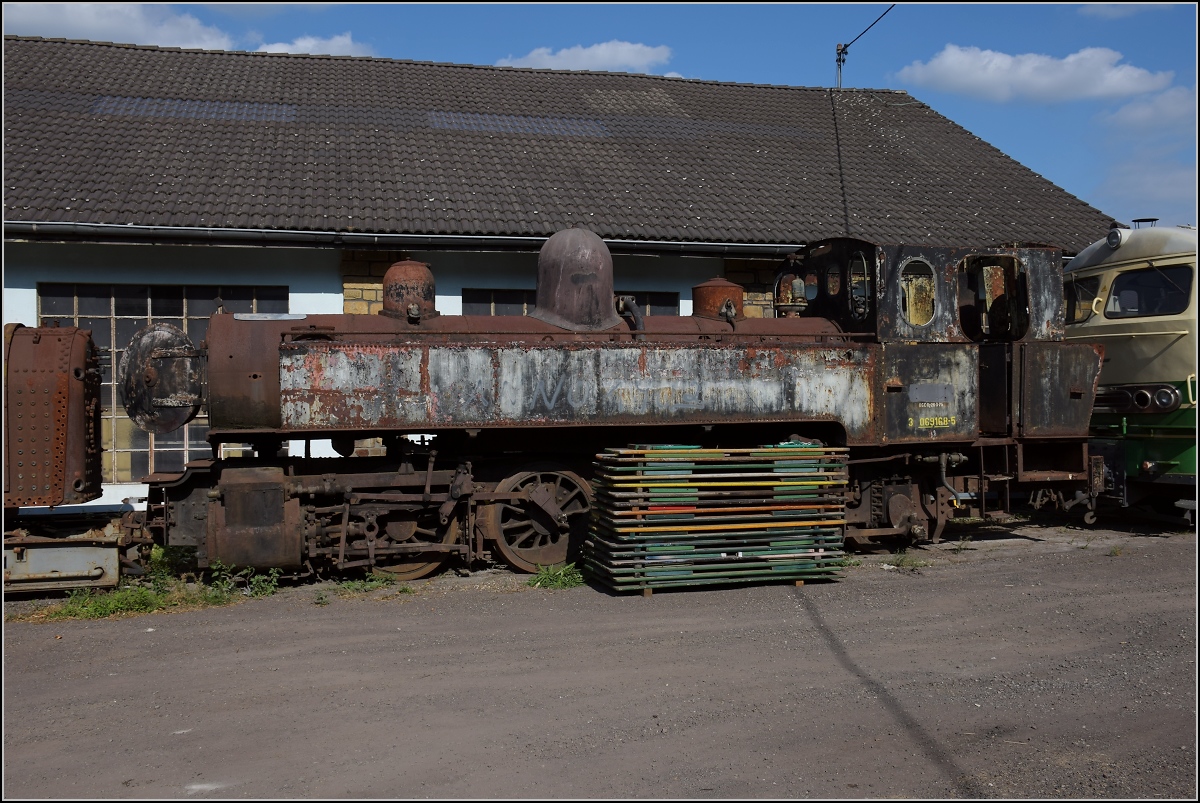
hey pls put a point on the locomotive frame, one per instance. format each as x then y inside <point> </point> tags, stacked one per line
<point>942,371</point>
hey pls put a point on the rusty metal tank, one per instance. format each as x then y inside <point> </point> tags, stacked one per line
<point>409,291</point>
<point>51,417</point>
<point>575,282</point>
<point>718,299</point>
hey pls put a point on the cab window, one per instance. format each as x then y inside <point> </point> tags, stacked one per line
<point>1081,295</point>
<point>1150,292</point>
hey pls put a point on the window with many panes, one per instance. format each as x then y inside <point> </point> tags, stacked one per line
<point>114,313</point>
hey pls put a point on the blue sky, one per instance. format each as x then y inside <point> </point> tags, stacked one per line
<point>1098,98</point>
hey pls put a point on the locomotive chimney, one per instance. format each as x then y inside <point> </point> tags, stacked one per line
<point>409,292</point>
<point>575,282</point>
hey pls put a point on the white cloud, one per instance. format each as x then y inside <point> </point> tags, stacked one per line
<point>340,45</point>
<point>126,23</point>
<point>1116,11</point>
<point>1173,111</point>
<point>614,56</point>
<point>1091,73</point>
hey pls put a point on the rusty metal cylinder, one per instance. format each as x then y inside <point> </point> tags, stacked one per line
<point>575,282</point>
<point>718,299</point>
<point>409,291</point>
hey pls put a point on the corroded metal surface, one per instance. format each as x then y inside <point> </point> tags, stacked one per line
<point>409,291</point>
<point>575,282</point>
<point>363,386</point>
<point>161,382</point>
<point>719,299</point>
<point>89,560</point>
<point>930,393</point>
<point>52,417</point>
<point>1072,372</point>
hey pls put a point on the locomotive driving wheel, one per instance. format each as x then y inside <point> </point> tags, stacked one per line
<point>425,528</point>
<point>546,529</point>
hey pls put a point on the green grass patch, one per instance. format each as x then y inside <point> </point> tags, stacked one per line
<point>903,560</point>
<point>167,585</point>
<point>565,576</point>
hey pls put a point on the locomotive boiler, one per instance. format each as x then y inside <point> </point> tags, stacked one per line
<point>941,371</point>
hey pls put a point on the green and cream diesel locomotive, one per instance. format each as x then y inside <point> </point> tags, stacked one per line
<point>1135,293</point>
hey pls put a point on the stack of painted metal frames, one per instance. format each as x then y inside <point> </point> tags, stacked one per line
<point>674,516</point>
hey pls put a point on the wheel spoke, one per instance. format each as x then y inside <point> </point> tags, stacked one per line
<point>523,533</point>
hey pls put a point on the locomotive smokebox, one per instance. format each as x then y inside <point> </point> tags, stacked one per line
<point>575,283</point>
<point>409,291</point>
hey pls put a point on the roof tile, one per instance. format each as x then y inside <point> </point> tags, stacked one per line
<point>104,133</point>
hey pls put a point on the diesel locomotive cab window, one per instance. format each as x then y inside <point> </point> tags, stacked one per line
<point>993,298</point>
<point>115,313</point>
<point>1149,292</point>
<point>918,298</point>
<point>1081,296</point>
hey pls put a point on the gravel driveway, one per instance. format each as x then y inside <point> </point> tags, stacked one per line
<point>1033,661</point>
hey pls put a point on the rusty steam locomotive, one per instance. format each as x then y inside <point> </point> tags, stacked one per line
<point>941,371</point>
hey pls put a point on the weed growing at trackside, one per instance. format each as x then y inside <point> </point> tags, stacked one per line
<point>321,598</point>
<point>163,587</point>
<point>565,576</point>
<point>847,562</point>
<point>962,544</point>
<point>1115,552</point>
<point>903,560</point>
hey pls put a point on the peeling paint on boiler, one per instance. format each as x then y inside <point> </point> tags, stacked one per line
<point>339,385</point>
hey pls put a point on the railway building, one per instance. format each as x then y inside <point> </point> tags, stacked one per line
<point>154,185</point>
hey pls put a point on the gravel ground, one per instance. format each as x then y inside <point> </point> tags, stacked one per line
<point>1031,662</point>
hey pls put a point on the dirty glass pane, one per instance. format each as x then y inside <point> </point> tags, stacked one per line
<point>200,299</point>
<point>916,284</point>
<point>509,302</point>
<point>476,302</point>
<point>127,328</point>
<point>238,299</point>
<point>168,460</point>
<point>169,440</point>
<point>139,465</point>
<point>1150,292</point>
<point>1081,295</point>
<point>272,299</point>
<point>57,299</point>
<point>95,299</point>
<point>197,330</point>
<point>101,330</point>
<point>197,434</point>
<point>130,300</point>
<point>166,301</point>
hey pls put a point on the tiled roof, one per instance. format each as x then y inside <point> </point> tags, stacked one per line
<point>122,134</point>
